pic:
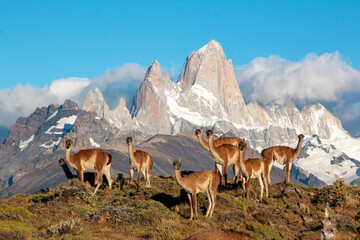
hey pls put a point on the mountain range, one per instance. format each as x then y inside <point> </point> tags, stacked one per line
<point>162,118</point>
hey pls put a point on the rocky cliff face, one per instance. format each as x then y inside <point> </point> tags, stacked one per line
<point>25,128</point>
<point>36,143</point>
<point>313,119</point>
<point>209,69</point>
<point>207,94</point>
<point>149,104</point>
<point>120,116</point>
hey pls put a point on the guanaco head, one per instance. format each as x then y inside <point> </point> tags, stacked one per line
<point>61,161</point>
<point>301,136</point>
<point>198,131</point>
<point>129,139</point>
<point>242,145</point>
<point>68,143</point>
<point>209,132</point>
<point>176,164</point>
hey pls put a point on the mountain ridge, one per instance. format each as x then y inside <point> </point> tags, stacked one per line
<point>161,107</point>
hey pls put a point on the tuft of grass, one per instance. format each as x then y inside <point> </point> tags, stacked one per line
<point>16,211</point>
<point>261,231</point>
<point>230,200</point>
<point>14,228</point>
<point>170,229</point>
<point>80,208</point>
<point>150,210</point>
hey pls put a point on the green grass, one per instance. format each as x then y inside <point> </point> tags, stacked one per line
<point>19,229</point>
<point>16,211</point>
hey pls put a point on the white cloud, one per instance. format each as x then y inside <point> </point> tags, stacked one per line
<point>127,73</point>
<point>67,88</point>
<point>327,79</point>
<point>22,100</point>
<point>118,82</point>
<point>316,78</point>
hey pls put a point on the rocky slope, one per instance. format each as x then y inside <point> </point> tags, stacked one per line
<point>34,144</point>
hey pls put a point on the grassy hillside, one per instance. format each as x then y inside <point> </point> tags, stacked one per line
<point>161,212</point>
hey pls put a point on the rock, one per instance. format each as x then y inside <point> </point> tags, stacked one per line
<point>120,116</point>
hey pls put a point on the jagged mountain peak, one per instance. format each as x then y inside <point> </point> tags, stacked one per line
<point>154,71</point>
<point>95,102</point>
<point>209,69</point>
<point>212,47</point>
<point>70,105</point>
<point>198,65</point>
<point>121,105</point>
<point>97,91</point>
<point>120,116</point>
<point>97,94</point>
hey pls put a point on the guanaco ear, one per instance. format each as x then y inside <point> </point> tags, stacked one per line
<point>179,160</point>
<point>206,128</point>
<point>171,162</point>
<point>201,128</point>
<point>132,136</point>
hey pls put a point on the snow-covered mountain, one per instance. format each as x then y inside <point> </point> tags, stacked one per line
<point>330,159</point>
<point>205,94</point>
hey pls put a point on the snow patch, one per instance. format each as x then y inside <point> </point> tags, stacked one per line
<point>24,144</point>
<point>65,123</point>
<point>51,143</point>
<point>93,143</point>
<point>202,96</point>
<point>52,115</point>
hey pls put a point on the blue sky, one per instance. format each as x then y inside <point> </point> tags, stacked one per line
<point>42,41</point>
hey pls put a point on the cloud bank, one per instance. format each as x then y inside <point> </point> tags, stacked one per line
<point>22,100</point>
<point>316,78</point>
<point>327,79</point>
<point>118,82</point>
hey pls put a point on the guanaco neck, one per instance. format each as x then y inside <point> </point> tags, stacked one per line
<point>214,150</point>
<point>178,177</point>
<point>242,160</point>
<point>298,147</point>
<point>131,152</point>
<point>203,142</point>
<point>68,155</point>
<point>211,144</point>
<point>70,159</point>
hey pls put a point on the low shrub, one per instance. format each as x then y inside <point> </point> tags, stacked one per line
<point>72,226</point>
